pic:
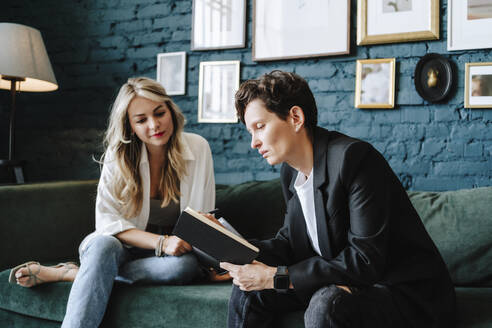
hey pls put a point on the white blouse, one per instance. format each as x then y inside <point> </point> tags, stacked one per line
<point>197,189</point>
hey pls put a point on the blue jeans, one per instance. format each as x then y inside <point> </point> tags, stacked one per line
<point>105,260</point>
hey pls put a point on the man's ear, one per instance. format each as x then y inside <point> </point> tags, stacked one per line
<point>296,116</point>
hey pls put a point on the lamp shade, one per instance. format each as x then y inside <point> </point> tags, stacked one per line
<point>23,55</point>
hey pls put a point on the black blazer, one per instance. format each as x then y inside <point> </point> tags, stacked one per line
<point>369,233</point>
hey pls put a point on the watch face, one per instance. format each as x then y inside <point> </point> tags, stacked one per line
<point>281,282</point>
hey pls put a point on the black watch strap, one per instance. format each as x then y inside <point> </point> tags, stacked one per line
<point>281,280</point>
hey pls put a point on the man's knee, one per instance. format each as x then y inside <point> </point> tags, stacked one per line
<point>325,308</point>
<point>237,298</point>
<point>237,307</point>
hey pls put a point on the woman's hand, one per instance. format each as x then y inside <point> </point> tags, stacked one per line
<point>175,246</point>
<point>211,218</point>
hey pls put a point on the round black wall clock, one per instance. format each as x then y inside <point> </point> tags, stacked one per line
<point>433,77</point>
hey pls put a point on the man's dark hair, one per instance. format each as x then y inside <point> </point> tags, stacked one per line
<point>279,91</point>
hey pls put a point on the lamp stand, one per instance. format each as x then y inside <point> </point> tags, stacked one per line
<point>11,162</point>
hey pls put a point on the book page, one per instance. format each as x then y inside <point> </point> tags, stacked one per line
<point>228,226</point>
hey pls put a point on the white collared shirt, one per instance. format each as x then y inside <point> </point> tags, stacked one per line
<point>197,189</point>
<point>304,189</point>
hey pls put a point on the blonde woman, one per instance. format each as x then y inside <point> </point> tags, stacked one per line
<point>152,170</point>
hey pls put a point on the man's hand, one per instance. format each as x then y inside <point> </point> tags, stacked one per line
<point>254,276</point>
<point>175,246</point>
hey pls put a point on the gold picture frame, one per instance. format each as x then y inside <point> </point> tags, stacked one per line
<point>409,24</point>
<point>375,83</point>
<point>218,82</point>
<point>478,85</point>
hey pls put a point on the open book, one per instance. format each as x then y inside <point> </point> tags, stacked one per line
<point>212,243</point>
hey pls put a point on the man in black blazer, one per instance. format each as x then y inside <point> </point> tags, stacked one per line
<point>353,251</point>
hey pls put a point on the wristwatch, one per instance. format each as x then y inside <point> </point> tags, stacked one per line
<point>281,281</point>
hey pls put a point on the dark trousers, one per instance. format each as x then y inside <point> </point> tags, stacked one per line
<point>329,307</point>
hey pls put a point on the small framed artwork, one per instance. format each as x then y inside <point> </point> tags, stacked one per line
<point>289,29</point>
<point>388,21</point>
<point>433,77</point>
<point>375,83</point>
<point>478,85</point>
<point>218,82</point>
<point>469,24</point>
<point>171,72</point>
<point>218,24</point>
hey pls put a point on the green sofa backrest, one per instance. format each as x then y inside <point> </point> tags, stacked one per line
<point>47,222</point>
<point>44,221</point>
<point>255,209</point>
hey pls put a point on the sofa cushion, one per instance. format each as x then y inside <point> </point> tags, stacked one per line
<point>46,301</point>
<point>191,306</point>
<point>129,306</point>
<point>12,319</point>
<point>200,305</point>
<point>460,223</point>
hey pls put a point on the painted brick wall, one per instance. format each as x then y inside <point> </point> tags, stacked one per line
<point>95,45</point>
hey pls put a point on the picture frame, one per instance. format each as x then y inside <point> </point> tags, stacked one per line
<point>469,24</point>
<point>478,85</point>
<point>434,77</point>
<point>218,24</point>
<point>218,82</point>
<point>375,83</point>
<point>171,72</point>
<point>397,21</point>
<point>291,29</point>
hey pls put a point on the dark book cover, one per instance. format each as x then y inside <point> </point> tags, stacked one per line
<point>213,240</point>
<point>208,261</point>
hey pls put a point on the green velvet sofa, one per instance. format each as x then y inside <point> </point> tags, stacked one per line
<point>47,221</point>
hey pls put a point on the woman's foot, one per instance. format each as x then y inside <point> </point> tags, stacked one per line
<point>32,273</point>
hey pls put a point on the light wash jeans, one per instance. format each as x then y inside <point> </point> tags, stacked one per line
<point>105,260</point>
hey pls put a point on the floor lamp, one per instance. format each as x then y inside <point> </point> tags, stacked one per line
<point>24,66</point>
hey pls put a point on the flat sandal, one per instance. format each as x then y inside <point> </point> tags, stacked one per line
<point>32,276</point>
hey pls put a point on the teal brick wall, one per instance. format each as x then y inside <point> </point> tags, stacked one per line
<point>95,45</point>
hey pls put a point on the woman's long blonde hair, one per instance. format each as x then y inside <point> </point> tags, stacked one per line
<point>126,148</point>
